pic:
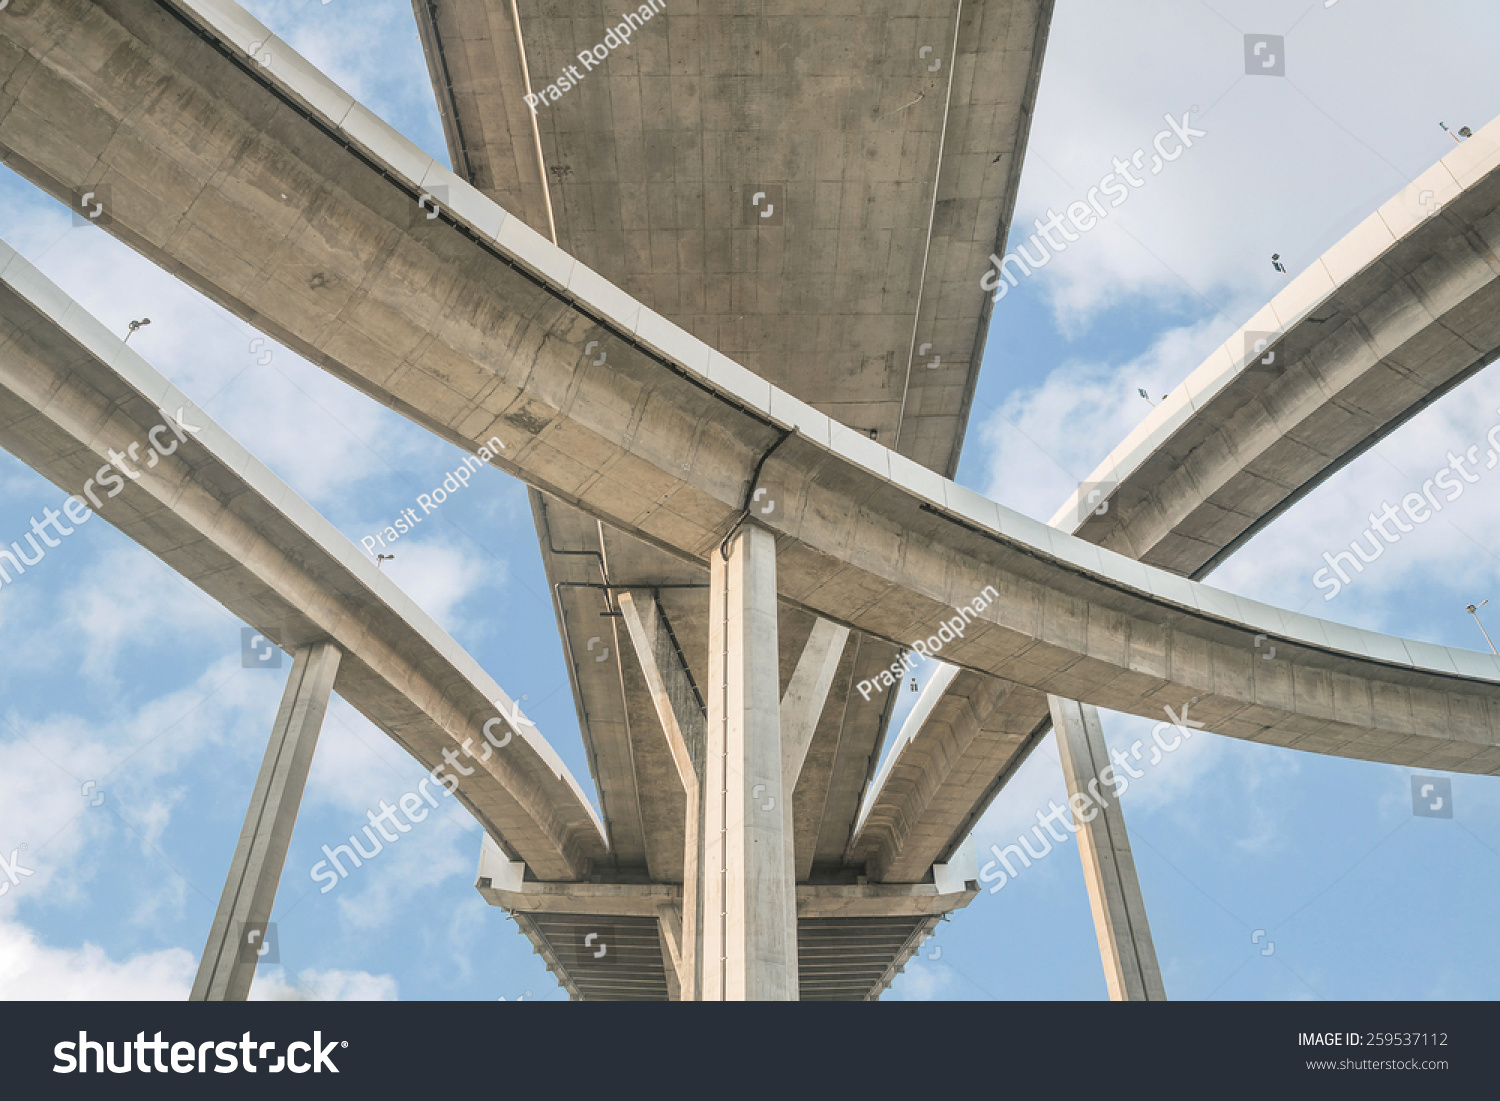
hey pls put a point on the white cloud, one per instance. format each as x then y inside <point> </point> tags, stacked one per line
<point>1172,789</point>
<point>320,434</point>
<point>1453,551</point>
<point>466,927</point>
<point>65,786</point>
<point>1035,785</point>
<point>126,599</point>
<point>33,971</point>
<point>1288,164</point>
<point>442,578</point>
<point>272,985</point>
<point>438,576</point>
<point>369,50</point>
<point>356,765</point>
<point>1043,442</point>
<point>355,769</point>
<point>922,982</point>
<point>444,845</point>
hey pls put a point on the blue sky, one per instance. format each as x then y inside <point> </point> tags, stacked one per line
<point>118,672</point>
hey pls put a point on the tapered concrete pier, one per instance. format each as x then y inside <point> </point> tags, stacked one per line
<point>1130,967</point>
<point>237,937</point>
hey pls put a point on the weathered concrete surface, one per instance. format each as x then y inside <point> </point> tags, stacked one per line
<point>841,760</point>
<point>585,562</point>
<point>889,138</point>
<point>474,59</point>
<point>621,732</point>
<point>227,967</point>
<point>663,442</point>
<point>70,392</point>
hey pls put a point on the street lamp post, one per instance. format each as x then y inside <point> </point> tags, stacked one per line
<point>1473,610</point>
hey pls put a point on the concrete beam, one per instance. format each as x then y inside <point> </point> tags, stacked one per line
<point>838,922</point>
<point>962,732</point>
<point>841,761</point>
<point>228,964</point>
<point>620,734</point>
<point>510,891</point>
<point>1130,967</point>
<point>672,690</point>
<point>801,709</point>
<point>749,931</point>
<point>572,559</point>
<point>1398,313</point>
<point>473,53</point>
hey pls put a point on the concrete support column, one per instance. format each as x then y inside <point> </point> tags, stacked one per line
<point>749,901</point>
<point>1130,967</point>
<point>229,958</point>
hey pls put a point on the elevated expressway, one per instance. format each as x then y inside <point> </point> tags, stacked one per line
<point>888,137</point>
<point>890,145</point>
<point>1394,316</point>
<point>293,207</point>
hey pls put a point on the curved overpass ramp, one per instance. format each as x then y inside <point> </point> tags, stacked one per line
<point>73,396</point>
<point>1394,316</point>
